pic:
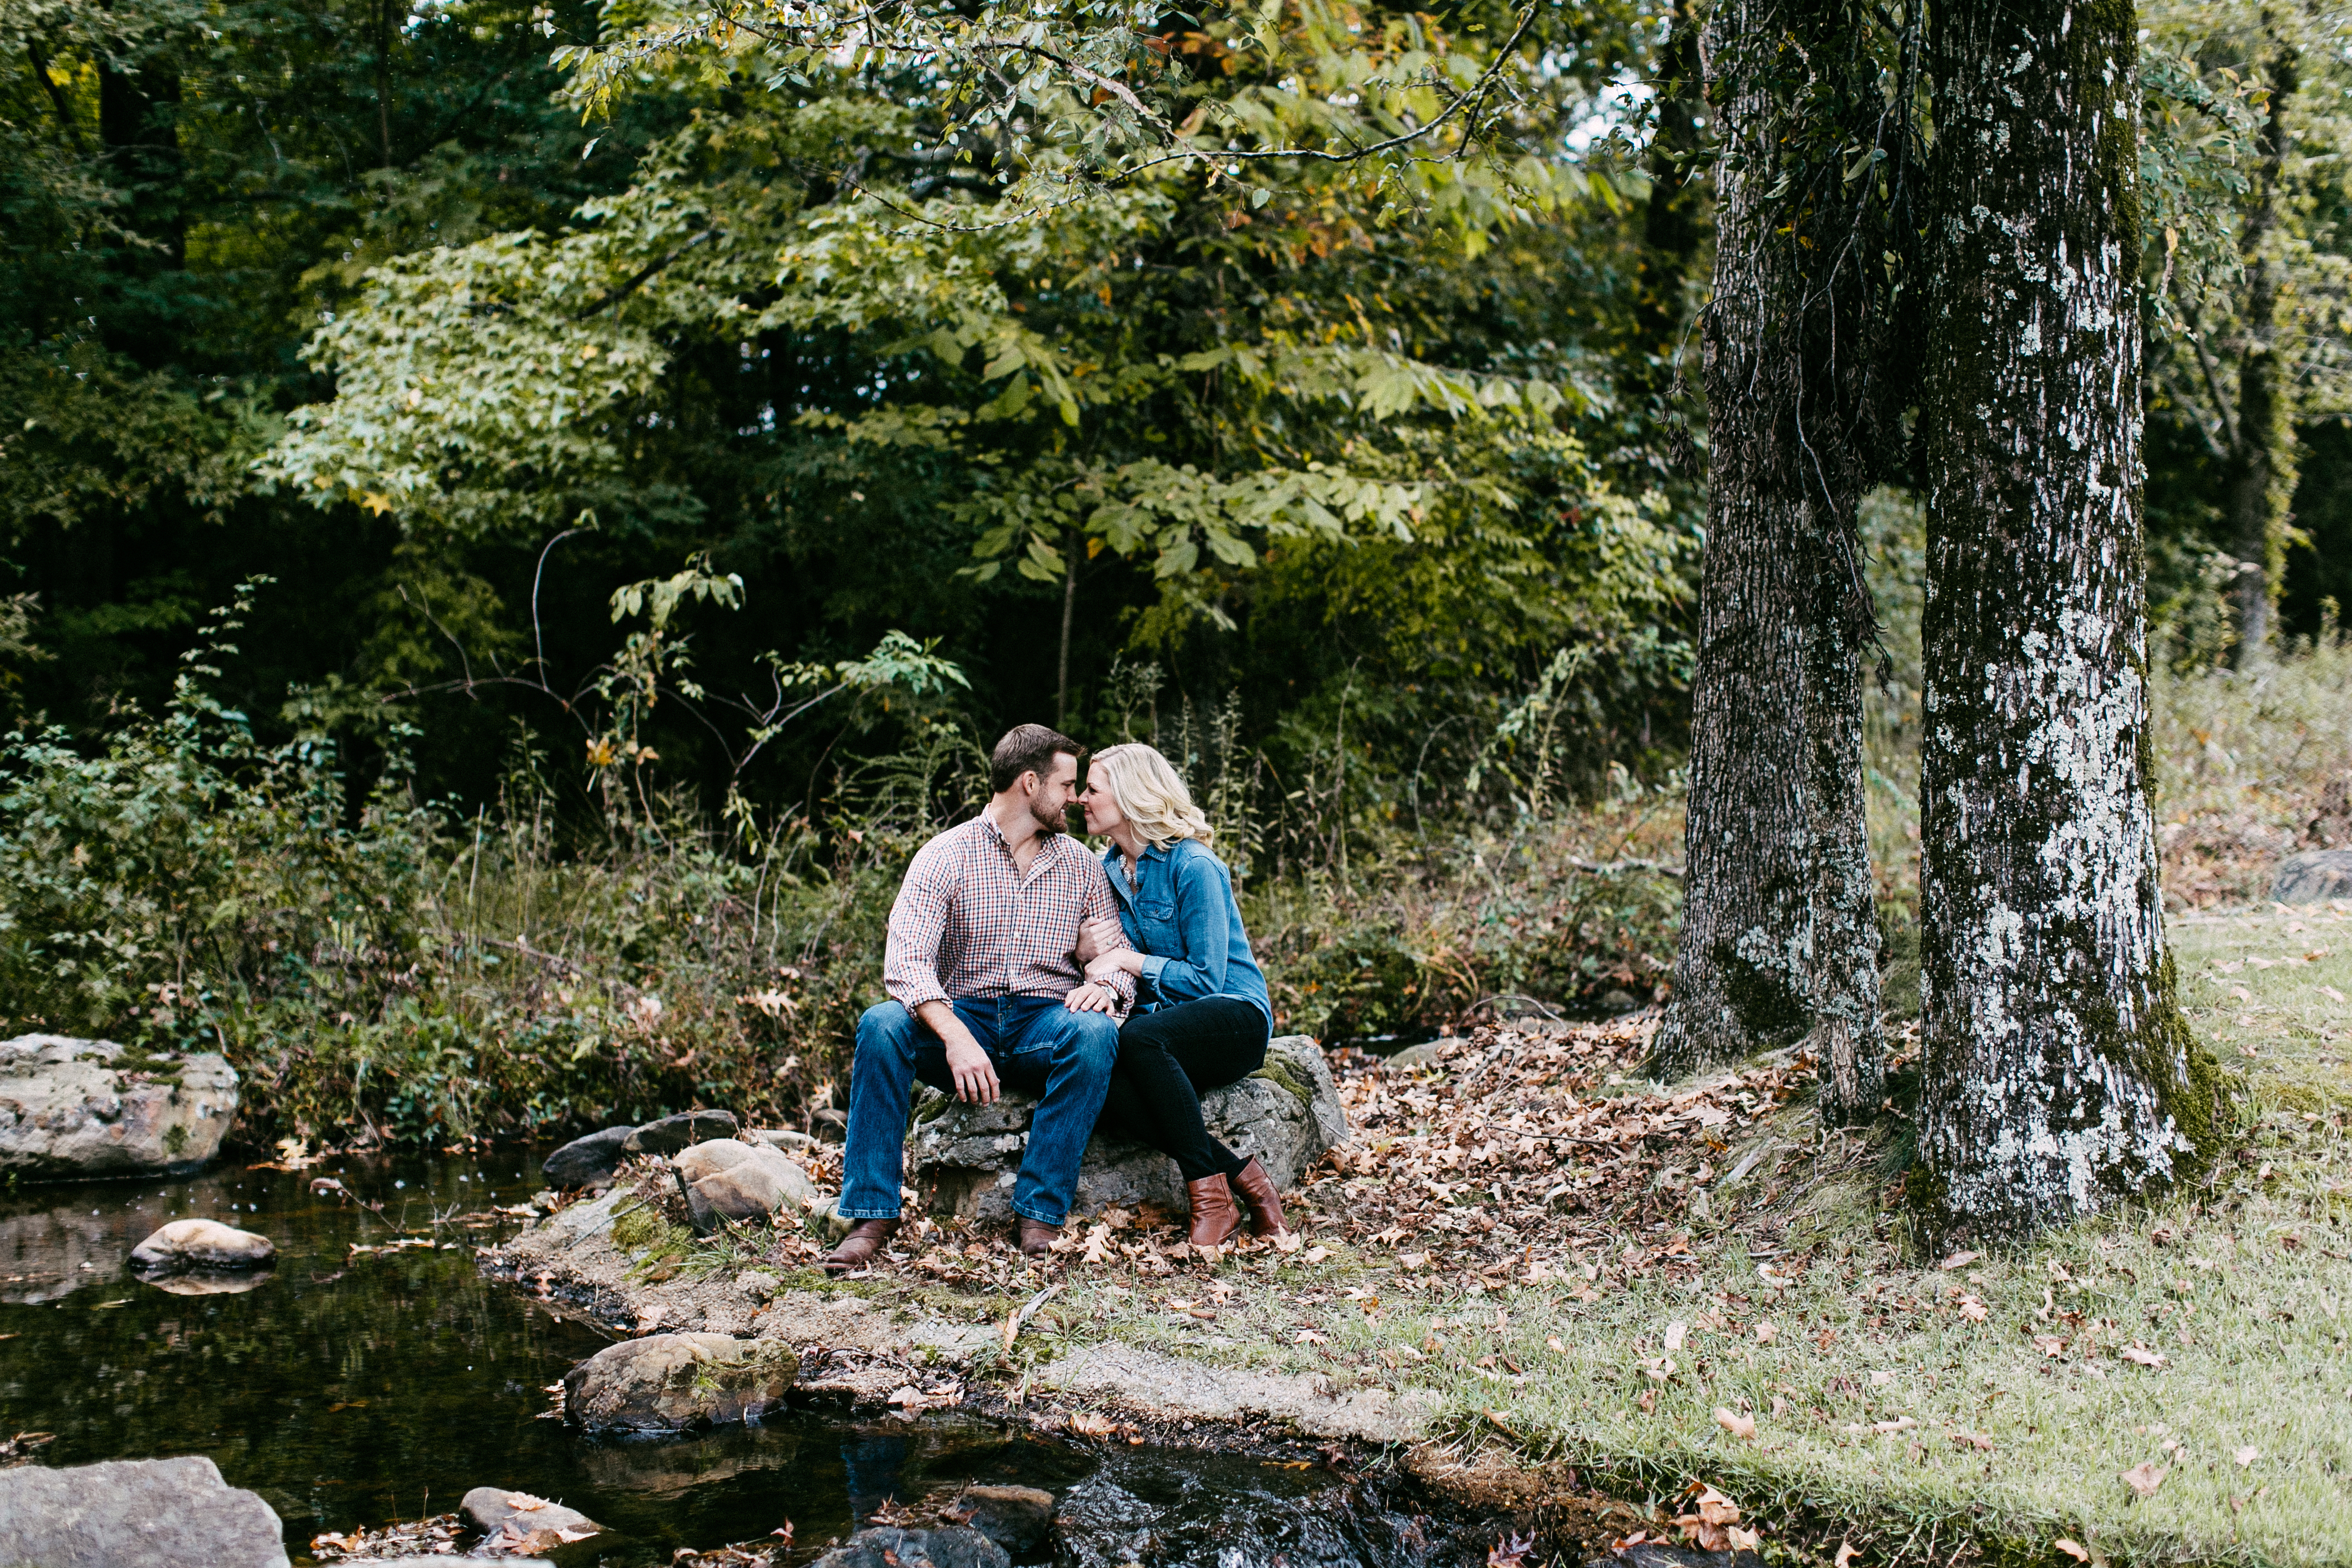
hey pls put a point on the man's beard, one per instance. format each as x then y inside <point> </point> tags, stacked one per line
<point>1050,818</point>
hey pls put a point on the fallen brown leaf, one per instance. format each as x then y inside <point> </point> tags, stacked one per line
<point>2146,1476</point>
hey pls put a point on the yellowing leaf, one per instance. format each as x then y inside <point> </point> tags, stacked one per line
<point>2247,1455</point>
<point>1740,1427</point>
<point>2074,1549</point>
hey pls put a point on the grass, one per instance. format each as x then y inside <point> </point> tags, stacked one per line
<point>1887,1413</point>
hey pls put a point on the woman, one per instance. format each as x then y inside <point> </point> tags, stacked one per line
<point>1201,1017</point>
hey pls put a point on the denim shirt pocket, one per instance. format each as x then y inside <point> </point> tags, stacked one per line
<point>1155,915</point>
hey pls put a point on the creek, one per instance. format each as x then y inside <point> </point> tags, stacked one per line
<point>355,1388</point>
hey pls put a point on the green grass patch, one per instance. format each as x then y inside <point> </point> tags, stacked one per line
<point>1912,1409</point>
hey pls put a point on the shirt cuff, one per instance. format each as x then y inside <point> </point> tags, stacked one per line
<point>912,997</point>
<point>1153,962</point>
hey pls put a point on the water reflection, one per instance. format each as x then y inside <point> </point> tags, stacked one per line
<point>351,1387</point>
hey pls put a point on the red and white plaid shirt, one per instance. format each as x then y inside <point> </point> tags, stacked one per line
<point>967,923</point>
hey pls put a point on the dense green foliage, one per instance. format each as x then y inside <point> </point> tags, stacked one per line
<point>676,439</point>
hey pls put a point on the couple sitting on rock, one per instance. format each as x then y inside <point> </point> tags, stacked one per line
<point>1013,956</point>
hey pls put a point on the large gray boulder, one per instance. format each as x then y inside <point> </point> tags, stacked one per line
<point>688,1128</point>
<point>673,1383</point>
<point>156,1513</point>
<point>2314,878</point>
<point>71,1108</point>
<point>186,1244</point>
<point>587,1161</point>
<point>727,1179</point>
<point>963,1159</point>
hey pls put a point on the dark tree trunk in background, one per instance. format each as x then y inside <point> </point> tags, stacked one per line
<point>2059,1075</point>
<point>2261,471</point>
<point>1780,938</point>
<point>138,126</point>
<point>1673,222</point>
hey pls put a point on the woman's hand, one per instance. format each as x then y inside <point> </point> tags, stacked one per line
<point>1097,938</point>
<point>1104,965</point>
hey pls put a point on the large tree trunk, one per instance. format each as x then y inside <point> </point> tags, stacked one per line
<point>2059,1074</point>
<point>1780,938</point>
<point>2261,475</point>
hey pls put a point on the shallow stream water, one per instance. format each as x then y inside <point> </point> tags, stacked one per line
<point>357,1388</point>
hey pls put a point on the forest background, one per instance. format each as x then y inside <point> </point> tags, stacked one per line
<point>511,549</point>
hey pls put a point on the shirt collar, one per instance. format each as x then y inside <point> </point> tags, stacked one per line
<point>1048,850</point>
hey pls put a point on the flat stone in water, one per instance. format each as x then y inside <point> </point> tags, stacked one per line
<point>502,1512</point>
<point>673,1383</point>
<point>2314,878</point>
<point>186,1244</point>
<point>885,1547</point>
<point>157,1513</point>
<point>1015,1517</point>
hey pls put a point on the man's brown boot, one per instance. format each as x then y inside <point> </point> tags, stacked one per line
<point>859,1248</point>
<point>1214,1218</point>
<point>1037,1237</point>
<point>1256,1189</point>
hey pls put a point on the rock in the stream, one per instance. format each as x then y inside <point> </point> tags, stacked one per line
<point>521,1525</point>
<point>155,1513</point>
<point>70,1109</point>
<point>186,1244</point>
<point>1015,1517</point>
<point>2314,878</point>
<point>671,1383</point>
<point>586,1162</point>
<point>963,1159</point>
<point>577,1223</point>
<point>672,1133</point>
<point>958,1546</point>
<point>730,1180</point>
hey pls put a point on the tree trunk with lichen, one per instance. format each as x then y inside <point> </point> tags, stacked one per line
<point>2059,1076</point>
<point>1779,940</point>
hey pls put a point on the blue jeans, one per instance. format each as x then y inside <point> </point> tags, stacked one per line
<point>1038,1045</point>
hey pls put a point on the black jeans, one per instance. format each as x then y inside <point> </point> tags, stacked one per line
<point>1165,1059</point>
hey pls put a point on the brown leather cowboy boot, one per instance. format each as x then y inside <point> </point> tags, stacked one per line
<point>1037,1237</point>
<point>859,1248</point>
<point>1256,1189</point>
<point>1214,1218</point>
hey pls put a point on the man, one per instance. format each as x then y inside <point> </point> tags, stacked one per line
<point>986,989</point>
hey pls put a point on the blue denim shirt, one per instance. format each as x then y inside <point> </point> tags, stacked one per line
<point>1182,916</point>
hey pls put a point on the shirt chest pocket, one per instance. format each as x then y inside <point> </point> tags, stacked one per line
<point>1156,917</point>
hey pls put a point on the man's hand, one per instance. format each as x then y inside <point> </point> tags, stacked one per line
<point>1097,938</point>
<point>968,1064</point>
<point>1091,999</point>
<point>975,1075</point>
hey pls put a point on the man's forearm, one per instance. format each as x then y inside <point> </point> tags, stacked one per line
<point>940,1019</point>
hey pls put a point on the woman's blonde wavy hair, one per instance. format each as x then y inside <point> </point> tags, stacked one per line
<point>1150,794</point>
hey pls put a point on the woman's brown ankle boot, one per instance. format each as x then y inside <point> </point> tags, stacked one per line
<point>1215,1216</point>
<point>1256,1189</point>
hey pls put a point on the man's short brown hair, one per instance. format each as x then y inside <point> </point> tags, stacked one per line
<point>1028,748</point>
